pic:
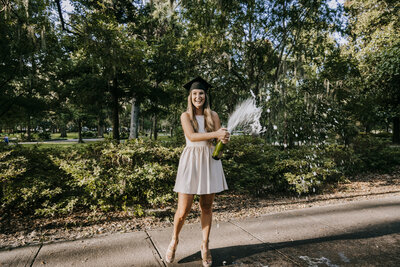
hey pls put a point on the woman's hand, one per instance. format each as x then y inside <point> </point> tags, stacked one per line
<point>227,138</point>
<point>222,133</point>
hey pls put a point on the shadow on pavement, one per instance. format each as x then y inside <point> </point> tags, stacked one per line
<point>229,255</point>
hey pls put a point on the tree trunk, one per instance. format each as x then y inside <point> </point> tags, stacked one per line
<point>151,128</point>
<point>28,128</point>
<point>285,121</point>
<point>115,106</point>
<point>100,128</point>
<point>396,130</point>
<point>131,130</point>
<point>133,134</point>
<point>155,126</point>
<point>80,140</point>
<point>141,126</point>
<point>367,128</point>
<point>136,120</point>
<point>63,131</point>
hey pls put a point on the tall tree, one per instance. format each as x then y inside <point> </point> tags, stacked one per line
<point>104,37</point>
<point>28,49</point>
<point>374,29</point>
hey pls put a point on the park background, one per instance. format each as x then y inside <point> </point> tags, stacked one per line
<point>325,73</point>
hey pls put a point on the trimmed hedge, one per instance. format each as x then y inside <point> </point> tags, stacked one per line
<point>47,181</point>
<point>141,173</point>
<point>257,168</point>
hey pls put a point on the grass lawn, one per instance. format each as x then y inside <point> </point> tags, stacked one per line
<point>55,136</point>
<point>159,137</point>
<point>74,135</point>
<point>71,135</point>
<point>55,145</point>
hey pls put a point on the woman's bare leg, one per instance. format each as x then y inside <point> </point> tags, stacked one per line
<point>184,205</point>
<point>206,202</point>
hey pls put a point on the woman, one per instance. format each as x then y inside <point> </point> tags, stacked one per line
<point>198,173</point>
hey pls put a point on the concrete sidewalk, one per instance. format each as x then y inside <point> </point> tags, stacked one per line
<point>359,233</point>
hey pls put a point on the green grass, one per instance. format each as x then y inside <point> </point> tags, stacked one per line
<point>58,145</point>
<point>10,135</point>
<point>72,135</point>
<point>54,136</point>
<point>159,137</point>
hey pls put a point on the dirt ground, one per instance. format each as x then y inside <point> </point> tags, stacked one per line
<point>16,233</point>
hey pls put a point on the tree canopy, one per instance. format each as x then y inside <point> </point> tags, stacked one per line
<point>64,69</point>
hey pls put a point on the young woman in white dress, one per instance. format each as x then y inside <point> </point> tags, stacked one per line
<point>198,173</point>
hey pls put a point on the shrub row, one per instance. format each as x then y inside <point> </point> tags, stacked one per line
<point>257,168</point>
<point>141,173</point>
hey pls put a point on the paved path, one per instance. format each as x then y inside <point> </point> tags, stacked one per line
<point>359,233</point>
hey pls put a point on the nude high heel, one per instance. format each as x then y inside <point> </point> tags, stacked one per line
<point>206,257</point>
<point>170,255</point>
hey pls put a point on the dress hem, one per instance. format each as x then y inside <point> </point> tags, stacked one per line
<point>200,193</point>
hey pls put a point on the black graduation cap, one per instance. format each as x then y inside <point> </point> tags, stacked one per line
<point>198,83</point>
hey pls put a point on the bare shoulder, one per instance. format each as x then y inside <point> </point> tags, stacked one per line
<point>186,124</point>
<point>214,114</point>
<point>184,115</point>
<point>215,118</point>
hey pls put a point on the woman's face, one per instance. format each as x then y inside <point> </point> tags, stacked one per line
<point>198,98</point>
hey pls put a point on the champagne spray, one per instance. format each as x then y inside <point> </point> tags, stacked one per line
<point>247,116</point>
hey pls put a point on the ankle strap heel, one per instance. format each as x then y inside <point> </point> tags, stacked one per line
<point>205,255</point>
<point>170,254</point>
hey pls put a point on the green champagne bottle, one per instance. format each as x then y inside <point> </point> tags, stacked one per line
<point>217,150</point>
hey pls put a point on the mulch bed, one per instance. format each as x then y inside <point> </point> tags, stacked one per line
<point>25,230</point>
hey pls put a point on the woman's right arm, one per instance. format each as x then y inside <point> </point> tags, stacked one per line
<point>195,137</point>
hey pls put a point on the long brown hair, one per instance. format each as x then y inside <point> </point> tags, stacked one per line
<point>208,121</point>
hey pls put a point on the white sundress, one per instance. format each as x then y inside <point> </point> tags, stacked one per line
<point>198,173</point>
